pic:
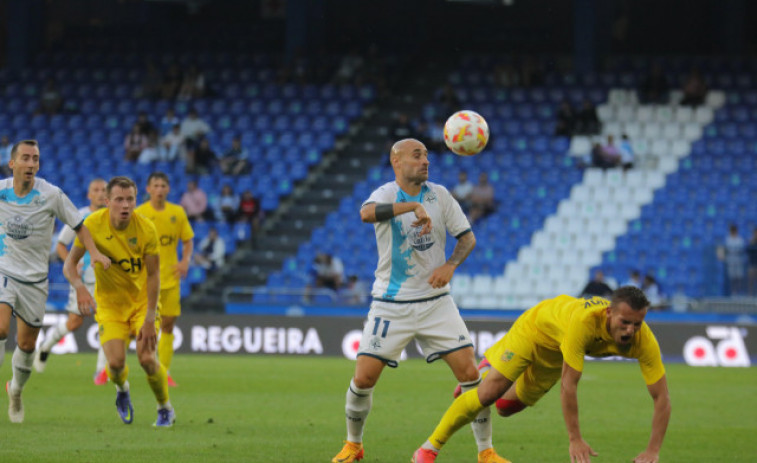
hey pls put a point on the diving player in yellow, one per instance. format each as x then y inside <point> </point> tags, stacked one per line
<point>126,295</point>
<point>173,226</point>
<point>547,343</point>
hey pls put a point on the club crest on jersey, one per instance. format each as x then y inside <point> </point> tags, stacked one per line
<point>133,242</point>
<point>430,197</point>
<point>418,242</point>
<point>375,343</point>
<point>173,219</point>
<point>18,229</point>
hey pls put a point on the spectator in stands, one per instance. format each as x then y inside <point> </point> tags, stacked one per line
<point>192,85</point>
<point>5,156</point>
<point>354,292</point>
<point>173,144</point>
<point>153,151</point>
<point>694,89</point>
<point>654,88</point>
<point>171,82</point>
<point>168,121</point>
<point>481,199</point>
<point>235,160</point>
<point>146,127</point>
<point>228,205</point>
<point>587,121</point>
<point>250,211</point>
<point>733,252</point>
<point>463,190</point>
<point>50,100</point>
<point>134,143</point>
<point>634,279</point>
<point>202,159</point>
<point>195,202</point>
<point>626,152</point>
<point>211,253</point>
<point>194,129</point>
<point>328,271</point>
<point>751,251</point>
<point>349,67</point>
<point>597,286</point>
<point>448,99</point>
<point>151,83</point>
<point>566,120</point>
<point>402,128</point>
<point>506,76</point>
<point>602,159</point>
<point>652,291</point>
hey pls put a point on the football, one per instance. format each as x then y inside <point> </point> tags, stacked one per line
<point>466,133</point>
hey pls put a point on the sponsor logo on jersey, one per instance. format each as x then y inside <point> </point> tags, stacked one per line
<point>418,242</point>
<point>18,229</point>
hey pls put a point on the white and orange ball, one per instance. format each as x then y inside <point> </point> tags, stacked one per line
<point>466,133</point>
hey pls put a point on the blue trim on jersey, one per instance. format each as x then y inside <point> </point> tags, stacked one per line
<point>437,355</point>
<point>9,196</point>
<point>389,363</point>
<point>467,230</point>
<point>2,243</point>
<point>401,259</point>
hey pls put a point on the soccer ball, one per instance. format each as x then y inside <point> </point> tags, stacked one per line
<point>466,133</point>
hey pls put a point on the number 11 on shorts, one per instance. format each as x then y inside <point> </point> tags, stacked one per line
<point>377,323</point>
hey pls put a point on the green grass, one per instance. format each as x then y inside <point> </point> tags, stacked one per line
<point>286,409</point>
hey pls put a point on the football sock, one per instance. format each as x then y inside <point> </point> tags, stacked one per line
<point>159,384</point>
<point>165,349</point>
<point>119,377</point>
<point>482,424</point>
<point>56,335</point>
<point>463,410</point>
<point>101,360</point>
<point>22,368</point>
<point>2,350</point>
<point>357,407</point>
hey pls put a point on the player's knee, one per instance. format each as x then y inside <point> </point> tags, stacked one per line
<point>509,407</point>
<point>3,334</point>
<point>365,381</point>
<point>116,364</point>
<point>74,323</point>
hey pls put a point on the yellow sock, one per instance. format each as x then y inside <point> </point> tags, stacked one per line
<point>462,411</point>
<point>118,378</point>
<point>165,349</point>
<point>159,384</point>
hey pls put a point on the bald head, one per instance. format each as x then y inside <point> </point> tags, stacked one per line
<point>406,145</point>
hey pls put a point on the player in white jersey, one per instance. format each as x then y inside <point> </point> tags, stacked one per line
<point>411,299</point>
<point>96,195</point>
<point>28,208</point>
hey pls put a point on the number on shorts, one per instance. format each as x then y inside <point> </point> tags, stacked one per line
<point>376,323</point>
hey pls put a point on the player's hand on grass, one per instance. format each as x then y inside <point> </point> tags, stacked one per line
<point>181,269</point>
<point>647,457</point>
<point>581,452</point>
<point>102,259</point>
<point>422,219</point>
<point>85,301</point>
<point>148,335</point>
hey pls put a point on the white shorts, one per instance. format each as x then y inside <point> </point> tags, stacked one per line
<point>27,300</point>
<point>73,305</point>
<point>435,324</point>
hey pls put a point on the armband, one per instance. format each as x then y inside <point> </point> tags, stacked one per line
<point>384,212</point>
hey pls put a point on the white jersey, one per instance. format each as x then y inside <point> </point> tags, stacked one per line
<point>26,228</point>
<point>66,237</point>
<point>407,260</point>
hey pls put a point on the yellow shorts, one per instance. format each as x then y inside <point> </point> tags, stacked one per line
<point>170,301</point>
<point>533,368</point>
<point>114,324</point>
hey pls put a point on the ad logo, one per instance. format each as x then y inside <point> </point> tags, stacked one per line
<point>728,350</point>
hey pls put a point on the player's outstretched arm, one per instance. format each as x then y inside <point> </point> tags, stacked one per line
<point>443,274</point>
<point>660,419</point>
<point>580,451</point>
<point>70,270</point>
<point>86,239</point>
<point>147,332</point>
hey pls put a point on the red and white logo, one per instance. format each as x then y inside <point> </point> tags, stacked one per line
<point>727,350</point>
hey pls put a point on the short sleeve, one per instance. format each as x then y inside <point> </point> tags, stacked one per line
<point>457,222</point>
<point>186,233</point>
<point>650,357</point>
<point>89,223</point>
<point>66,211</point>
<point>380,195</point>
<point>151,240</point>
<point>66,236</point>
<point>577,337</point>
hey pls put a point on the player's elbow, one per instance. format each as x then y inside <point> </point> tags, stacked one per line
<point>367,215</point>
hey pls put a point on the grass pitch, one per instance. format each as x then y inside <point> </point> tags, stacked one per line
<point>287,409</point>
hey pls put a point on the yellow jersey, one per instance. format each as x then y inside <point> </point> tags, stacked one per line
<point>173,226</point>
<point>578,327</point>
<point>122,287</point>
